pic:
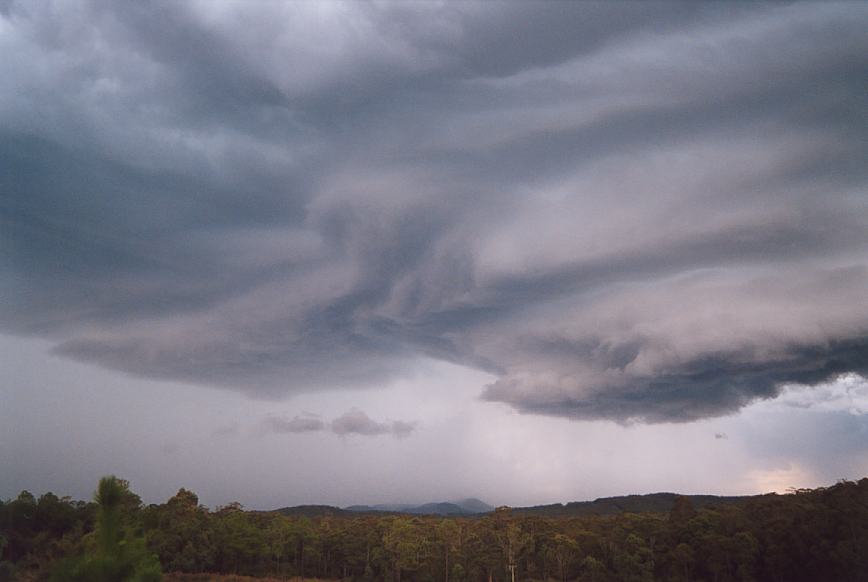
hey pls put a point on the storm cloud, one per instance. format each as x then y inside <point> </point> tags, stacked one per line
<point>634,212</point>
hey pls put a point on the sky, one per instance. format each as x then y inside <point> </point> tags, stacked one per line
<point>381,252</point>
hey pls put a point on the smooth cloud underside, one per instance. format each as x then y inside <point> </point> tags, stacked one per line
<point>631,212</point>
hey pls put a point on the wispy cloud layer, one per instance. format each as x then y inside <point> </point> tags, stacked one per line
<point>353,422</point>
<point>297,424</point>
<point>632,212</point>
<point>849,394</point>
<point>357,422</point>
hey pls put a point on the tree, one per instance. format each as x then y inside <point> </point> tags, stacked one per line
<point>241,542</point>
<point>114,554</point>
<point>682,511</point>
<point>449,536</point>
<point>683,557</point>
<point>404,542</point>
<point>564,550</point>
<point>180,533</point>
<point>593,570</point>
<point>634,562</point>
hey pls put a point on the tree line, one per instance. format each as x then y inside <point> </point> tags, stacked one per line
<point>808,535</point>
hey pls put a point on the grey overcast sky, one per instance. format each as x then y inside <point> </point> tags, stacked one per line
<point>351,252</point>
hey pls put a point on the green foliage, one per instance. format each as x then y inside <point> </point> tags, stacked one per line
<point>181,533</point>
<point>114,553</point>
<point>807,536</point>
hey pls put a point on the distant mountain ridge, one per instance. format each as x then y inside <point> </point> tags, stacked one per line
<point>469,506</point>
<point>648,503</point>
<point>312,511</point>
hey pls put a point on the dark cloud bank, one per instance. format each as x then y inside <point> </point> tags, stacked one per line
<point>624,211</point>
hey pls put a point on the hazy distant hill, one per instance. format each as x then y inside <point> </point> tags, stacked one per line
<point>311,511</point>
<point>382,507</point>
<point>473,505</point>
<point>468,506</point>
<point>651,503</point>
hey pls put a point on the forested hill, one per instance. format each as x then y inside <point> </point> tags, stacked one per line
<point>651,503</point>
<point>467,506</point>
<point>312,511</point>
<point>441,508</point>
<point>807,536</point>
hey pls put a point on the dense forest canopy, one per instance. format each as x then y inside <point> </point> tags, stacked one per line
<point>808,535</point>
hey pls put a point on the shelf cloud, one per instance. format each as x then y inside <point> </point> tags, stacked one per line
<point>625,212</point>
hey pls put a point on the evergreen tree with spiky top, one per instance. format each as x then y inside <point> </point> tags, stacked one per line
<point>114,554</point>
